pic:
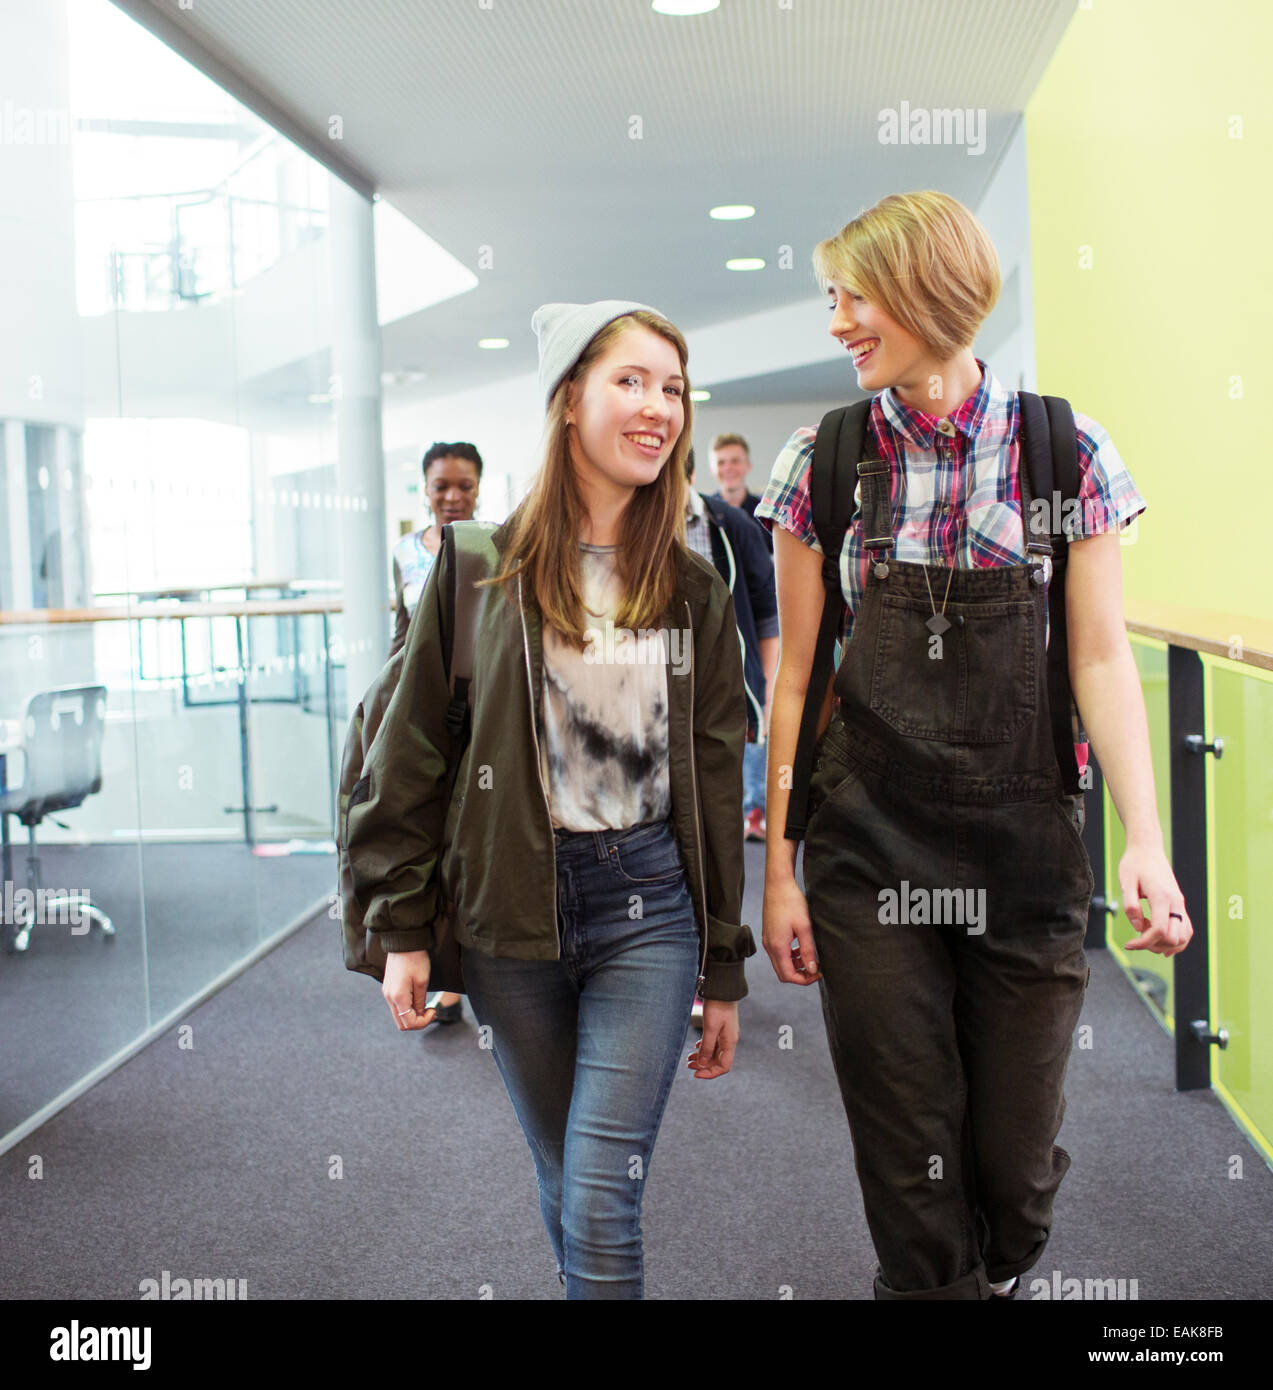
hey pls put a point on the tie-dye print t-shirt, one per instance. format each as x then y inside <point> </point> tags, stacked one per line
<point>603,737</point>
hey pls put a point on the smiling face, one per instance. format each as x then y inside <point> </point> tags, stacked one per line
<point>451,488</point>
<point>731,465</point>
<point>884,353</point>
<point>628,411</point>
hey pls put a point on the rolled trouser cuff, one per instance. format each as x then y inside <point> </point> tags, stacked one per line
<point>973,1286</point>
<point>999,1270</point>
<point>1008,1271</point>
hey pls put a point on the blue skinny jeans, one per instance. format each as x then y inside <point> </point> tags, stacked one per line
<point>588,1045</point>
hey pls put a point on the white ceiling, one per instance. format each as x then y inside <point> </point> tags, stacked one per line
<point>508,127</point>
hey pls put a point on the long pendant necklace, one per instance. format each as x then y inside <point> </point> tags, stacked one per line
<point>939,622</point>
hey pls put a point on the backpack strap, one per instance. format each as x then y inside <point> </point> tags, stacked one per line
<point>1050,475</point>
<point>471,556</point>
<point>832,482</point>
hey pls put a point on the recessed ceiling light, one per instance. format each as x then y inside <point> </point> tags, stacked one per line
<point>683,7</point>
<point>732,212</point>
<point>492,343</point>
<point>700,395</point>
<point>745,263</point>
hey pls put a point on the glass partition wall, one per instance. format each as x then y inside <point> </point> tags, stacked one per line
<point>172,698</point>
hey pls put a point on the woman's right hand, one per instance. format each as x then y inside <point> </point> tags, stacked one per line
<point>405,987</point>
<point>786,917</point>
<point>798,577</point>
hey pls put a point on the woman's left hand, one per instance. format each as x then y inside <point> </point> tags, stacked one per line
<point>715,1052</point>
<point>1145,873</point>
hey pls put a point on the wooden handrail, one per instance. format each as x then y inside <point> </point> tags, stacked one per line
<point>251,608</point>
<point>159,591</point>
<point>1243,639</point>
<point>1248,640</point>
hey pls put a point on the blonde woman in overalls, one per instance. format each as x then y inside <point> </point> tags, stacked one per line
<point>947,885</point>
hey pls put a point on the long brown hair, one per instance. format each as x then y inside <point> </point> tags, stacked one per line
<point>544,541</point>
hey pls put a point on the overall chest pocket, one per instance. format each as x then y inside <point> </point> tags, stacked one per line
<point>976,683</point>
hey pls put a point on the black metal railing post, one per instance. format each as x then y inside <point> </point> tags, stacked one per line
<point>243,639</point>
<point>1191,971</point>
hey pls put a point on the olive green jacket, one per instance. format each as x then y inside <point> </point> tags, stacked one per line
<point>495,839</point>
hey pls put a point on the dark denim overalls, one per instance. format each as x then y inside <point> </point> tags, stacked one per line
<point>948,889</point>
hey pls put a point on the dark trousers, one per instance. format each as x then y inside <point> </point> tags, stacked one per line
<point>950,1039</point>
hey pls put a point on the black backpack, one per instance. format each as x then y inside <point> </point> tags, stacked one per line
<point>471,556</point>
<point>1049,454</point>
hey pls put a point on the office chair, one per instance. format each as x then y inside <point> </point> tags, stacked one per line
<point>62,749</point>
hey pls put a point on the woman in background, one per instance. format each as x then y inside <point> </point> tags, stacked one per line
<point>452,477</point>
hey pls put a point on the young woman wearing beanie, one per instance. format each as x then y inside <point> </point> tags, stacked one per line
<point>943,775</point>
<point>593,845</point>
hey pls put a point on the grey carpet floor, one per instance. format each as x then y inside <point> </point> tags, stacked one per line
<point>300,1143</point>
<point>183,914</point>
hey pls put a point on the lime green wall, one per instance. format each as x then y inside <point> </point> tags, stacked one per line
<point>1240,884</point>
<point>1130,140</point>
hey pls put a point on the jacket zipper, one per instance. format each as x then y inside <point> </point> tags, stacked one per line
<point>742,646</point>
<point>698,827</point>
<point>733,564</point>
<point>539,767</point>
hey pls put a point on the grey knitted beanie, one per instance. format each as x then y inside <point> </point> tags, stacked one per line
<point>564,330</point>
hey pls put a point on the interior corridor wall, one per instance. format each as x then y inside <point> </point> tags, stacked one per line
<point>1150,139</point>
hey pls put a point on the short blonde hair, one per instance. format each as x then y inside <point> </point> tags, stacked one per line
<point>925,259</point>
<point>723,441</point>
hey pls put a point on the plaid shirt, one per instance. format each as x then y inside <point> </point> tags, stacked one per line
<point>955,491</point>
<point>698,531</point>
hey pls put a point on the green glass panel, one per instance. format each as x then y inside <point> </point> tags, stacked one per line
<point>1240,872</point>
<point>1152,974</point>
